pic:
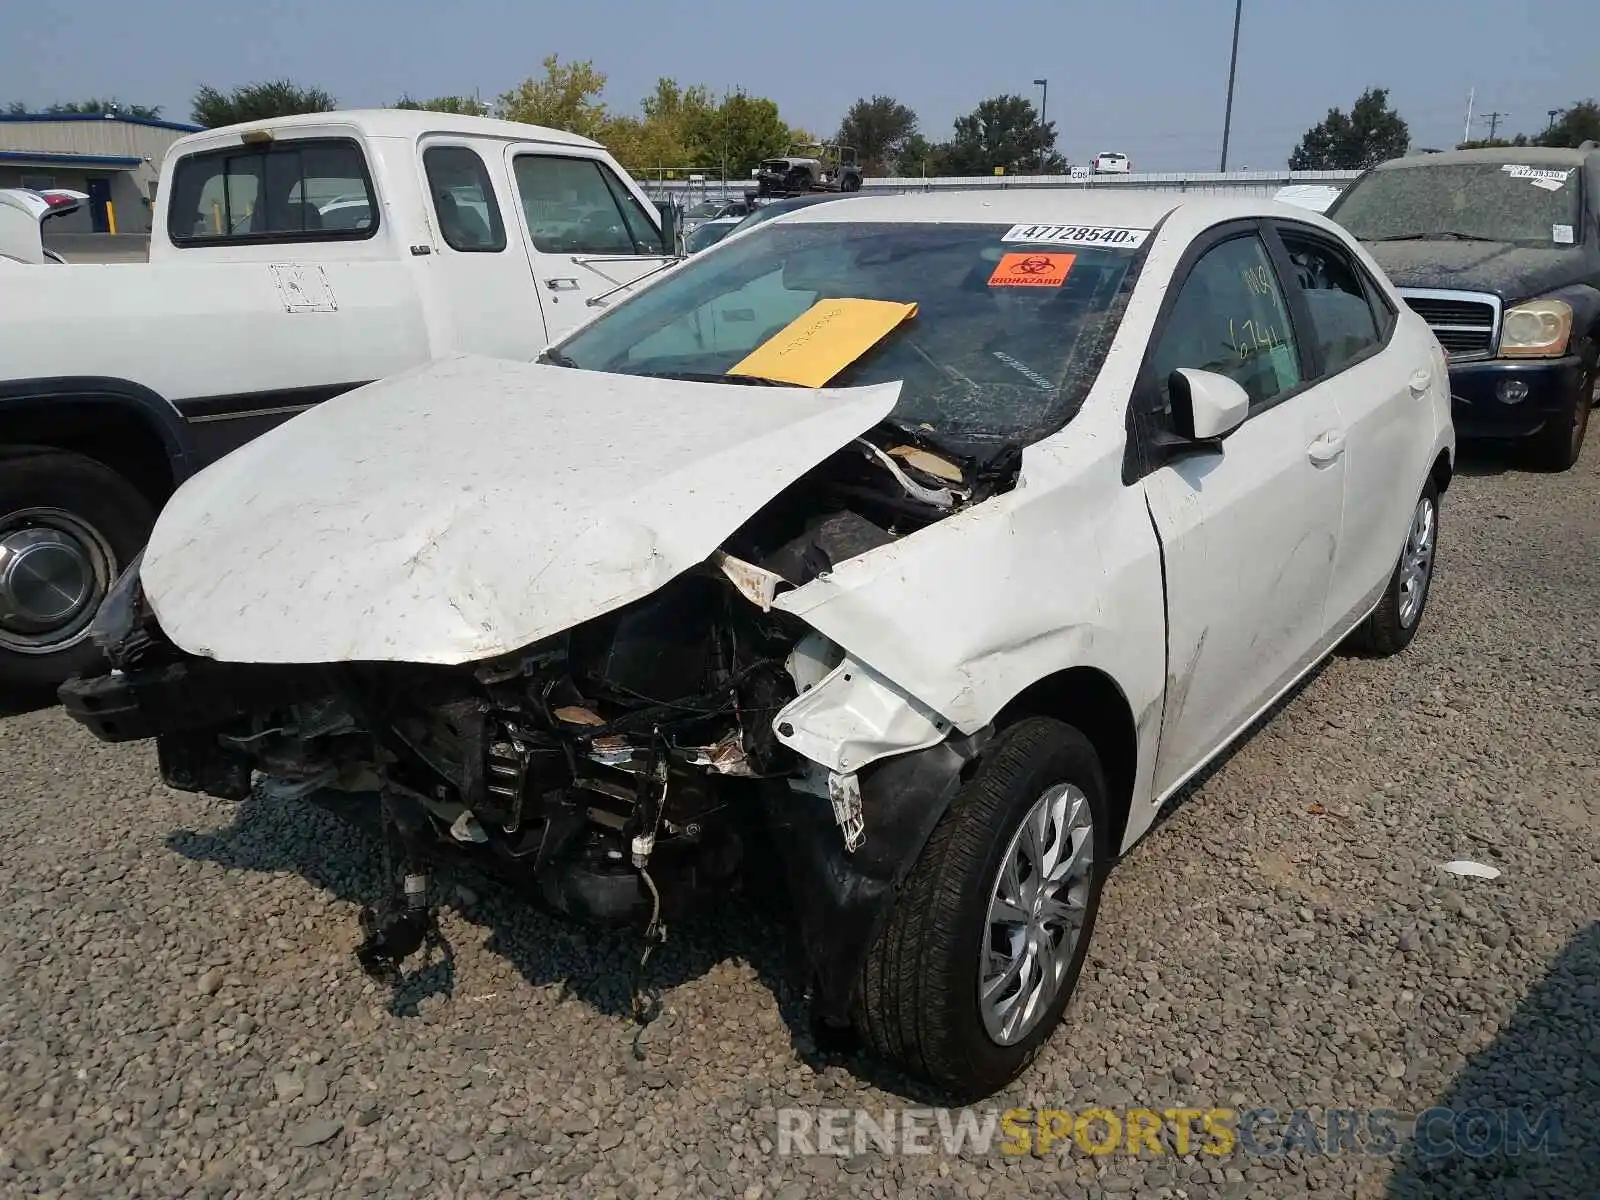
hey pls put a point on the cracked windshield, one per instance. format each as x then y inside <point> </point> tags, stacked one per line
<point>1003,346</point>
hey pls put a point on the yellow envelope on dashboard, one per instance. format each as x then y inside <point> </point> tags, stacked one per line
<point>823,340</point>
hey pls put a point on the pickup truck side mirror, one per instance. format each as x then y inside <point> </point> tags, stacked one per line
<point>671,237</point>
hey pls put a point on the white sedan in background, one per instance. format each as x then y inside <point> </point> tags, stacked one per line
<point>902,556</point>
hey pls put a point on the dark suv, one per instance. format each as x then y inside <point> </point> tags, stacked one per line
<point>1499,251</point>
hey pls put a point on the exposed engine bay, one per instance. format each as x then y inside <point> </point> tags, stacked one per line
<point>618,771</point>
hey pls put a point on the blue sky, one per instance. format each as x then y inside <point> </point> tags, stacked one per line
<point>1147,77</point>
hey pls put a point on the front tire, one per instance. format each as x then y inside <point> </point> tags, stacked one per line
<point>1394,623</point>
<point>68,526</point>
<point>1557,446</point>
<point>983,947</point>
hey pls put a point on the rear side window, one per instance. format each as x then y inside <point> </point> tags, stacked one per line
<point>577,206</point>
<point>463,200</point>
<point>314,189</point>
<point>1343,323</point>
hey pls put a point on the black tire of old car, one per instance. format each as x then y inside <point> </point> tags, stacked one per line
<point>917,1001</point>
<point>1385,633</point>
<point>97,522</point>
<point>1557,446</point>
<point>850,183</point>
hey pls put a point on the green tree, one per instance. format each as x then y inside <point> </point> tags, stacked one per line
<point>918,156</point>
<point>1003,131</point>
<point>737,134</point>
<point>1577,125</point>
<point>1493,143</point>
<point>462,106</point>
<point>18,108</point>
<point>659,140</point>
<point>1371,133</point>
<point>567,97</point>
<point>879,129</point>
<point>257,102</point>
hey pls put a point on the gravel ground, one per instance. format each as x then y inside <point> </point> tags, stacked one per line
<point>181,1014</point>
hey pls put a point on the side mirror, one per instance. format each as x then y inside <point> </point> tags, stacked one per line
<point>671,237</point>
<point>1206,407</point>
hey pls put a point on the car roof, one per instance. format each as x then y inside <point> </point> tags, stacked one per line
<point>1531,156</point>
<point>1123,208</point>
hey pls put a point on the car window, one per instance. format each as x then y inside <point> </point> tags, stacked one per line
<point>1342,321</point>
<point>577,206</point>
<point>273,193</point>
<point>463,200</point>
<point>1230,318</point>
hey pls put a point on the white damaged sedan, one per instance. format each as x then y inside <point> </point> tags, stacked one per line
<point>895,562</point>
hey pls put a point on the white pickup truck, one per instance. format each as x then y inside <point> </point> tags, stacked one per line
<point>290,260</point>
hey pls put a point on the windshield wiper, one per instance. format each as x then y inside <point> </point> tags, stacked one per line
<point>711,377</point>
<point>1437,234</point>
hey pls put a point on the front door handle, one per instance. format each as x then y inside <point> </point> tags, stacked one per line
<point>1420,381</point>
<point>1326,449</point>
<point>561,285</point>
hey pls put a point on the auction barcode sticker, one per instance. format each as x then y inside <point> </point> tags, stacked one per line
<point>1111,237</point>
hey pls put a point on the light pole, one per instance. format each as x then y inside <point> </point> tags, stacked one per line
<point>1044,100</point>
<point>1554,113</point>
<point>1233,67</point>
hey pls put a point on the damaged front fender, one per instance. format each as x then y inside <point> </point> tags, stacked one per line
<point>853,716</point>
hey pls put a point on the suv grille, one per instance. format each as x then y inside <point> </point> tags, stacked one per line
<point>1466,323</point>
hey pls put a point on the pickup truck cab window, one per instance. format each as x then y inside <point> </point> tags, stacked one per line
<point>577,206</point>
<point>276,192</point>
<point>463,200</point>
<point>1230,317</point>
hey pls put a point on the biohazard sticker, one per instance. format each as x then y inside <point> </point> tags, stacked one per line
<point>1032,270</point>
<point>1107,236</point>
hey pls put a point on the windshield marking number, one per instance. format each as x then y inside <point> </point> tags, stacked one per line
<point>1111,237</point>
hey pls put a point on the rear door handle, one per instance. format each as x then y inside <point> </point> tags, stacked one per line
<point>1326,449</point>
<point>561,285</point>
<point>1420,381</point>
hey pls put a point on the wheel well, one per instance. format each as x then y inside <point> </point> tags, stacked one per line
<point>110,433</point>
<point>1092,703</point>
<point>1442,472</point>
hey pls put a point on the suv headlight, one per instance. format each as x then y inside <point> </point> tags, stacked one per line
<point>1537,329</point>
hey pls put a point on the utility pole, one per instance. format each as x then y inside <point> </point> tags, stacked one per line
<point>1044,101</point>
<point>1494,122</point>
<point>1466,130</point>
<point>1233,68</point>
<point>1554,113</point>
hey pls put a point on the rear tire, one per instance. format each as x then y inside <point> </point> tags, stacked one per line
<point>1557,446</point>
<point>72,524</point>
<point>918,1001</point>
<point>1394,623</point>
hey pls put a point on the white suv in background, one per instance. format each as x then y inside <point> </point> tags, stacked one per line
<point>1111,162</point>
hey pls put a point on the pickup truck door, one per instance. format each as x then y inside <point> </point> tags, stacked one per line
<point>588,231</point>
<point>477,271</point>
<point>1248,533</point>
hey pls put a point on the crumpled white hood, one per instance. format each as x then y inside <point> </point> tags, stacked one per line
<point>471,507</point>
